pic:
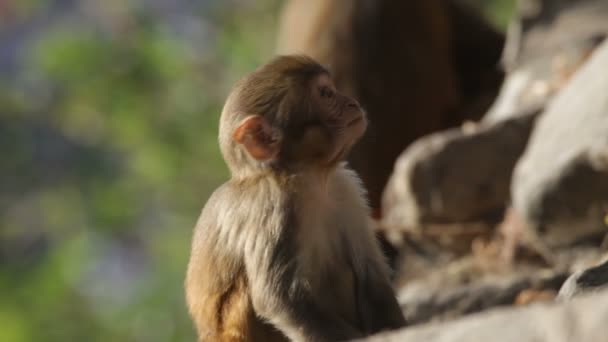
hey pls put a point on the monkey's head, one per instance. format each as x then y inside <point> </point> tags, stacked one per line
<point>287,116</point>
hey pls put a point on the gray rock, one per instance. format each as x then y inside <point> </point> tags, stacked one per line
<point>423,303</point>
<point>561,181</point>
<point>458,175</point>
<point>455,175</point>
<point>582,320</point>
<point>589,280</point>
<point>546,42</point>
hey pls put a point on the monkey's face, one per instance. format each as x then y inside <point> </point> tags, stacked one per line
<point>333,124</point>
<point>340,112</point>
<point>288,116</point>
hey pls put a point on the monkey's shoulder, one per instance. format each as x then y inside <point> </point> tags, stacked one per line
<point>232,196</point>
<point>236,207</point>
<point>212,207</point>
<point>211,222</point>
<point>348,186</point>
<point>332,221</point>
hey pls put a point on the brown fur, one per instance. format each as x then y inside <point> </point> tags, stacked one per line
<point>284,249</point>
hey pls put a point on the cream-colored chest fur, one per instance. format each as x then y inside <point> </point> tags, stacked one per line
<point>333,222</point>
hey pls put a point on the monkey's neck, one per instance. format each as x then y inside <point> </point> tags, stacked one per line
<point>317,181</point>
<point>317,178</point>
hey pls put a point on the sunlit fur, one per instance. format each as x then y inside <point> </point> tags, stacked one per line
<point>271,90</point>
<point>286,255</point>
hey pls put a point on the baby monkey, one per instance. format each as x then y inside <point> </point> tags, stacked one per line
<point>284,249</point>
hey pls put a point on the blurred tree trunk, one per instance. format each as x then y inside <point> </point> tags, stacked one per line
<point>416,67</point>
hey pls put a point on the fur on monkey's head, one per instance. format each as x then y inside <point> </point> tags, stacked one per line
<point>285,116</point>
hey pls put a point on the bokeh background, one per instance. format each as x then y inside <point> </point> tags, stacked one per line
<point>108,125</point>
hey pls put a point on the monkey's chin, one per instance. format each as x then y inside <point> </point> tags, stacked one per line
<point>356,128</point>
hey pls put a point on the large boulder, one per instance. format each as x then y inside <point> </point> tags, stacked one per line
<point>582,320</point>
<point>461,174</point>
<point>589,280</point>
<point>456,175</point>
<point>562,179</point>
<point>547,41</point>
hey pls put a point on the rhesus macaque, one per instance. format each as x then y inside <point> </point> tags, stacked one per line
<point>284,249</point>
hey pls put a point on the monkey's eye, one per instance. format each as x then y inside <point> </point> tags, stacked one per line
<point>326,93</point>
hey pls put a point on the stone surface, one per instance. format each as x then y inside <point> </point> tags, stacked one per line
<point>456,175</point>
<point>546,43</point>
<point>557,67</point>
<point>582,320</point>
<point>561,181</point>
<point>422,303</point>
<point>589,280</point>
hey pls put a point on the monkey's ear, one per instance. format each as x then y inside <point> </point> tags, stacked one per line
<point>258,137</point>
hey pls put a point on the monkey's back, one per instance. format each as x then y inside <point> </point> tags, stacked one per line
<point>217,289</point>
<point>229,316</point>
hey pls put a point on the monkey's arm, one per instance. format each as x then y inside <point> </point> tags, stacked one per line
<point>285,299</point>
<point>378,306</point>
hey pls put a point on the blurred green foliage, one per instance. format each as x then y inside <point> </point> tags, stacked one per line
<point>498,12</point>
<point>108,125</point>
<point>108,134</point>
